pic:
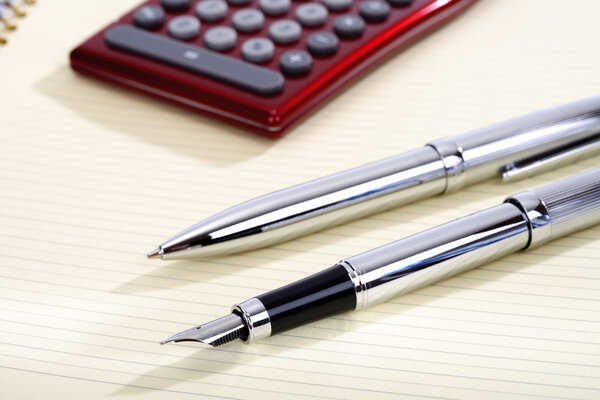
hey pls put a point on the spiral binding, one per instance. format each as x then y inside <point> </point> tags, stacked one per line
<point>9,9</point>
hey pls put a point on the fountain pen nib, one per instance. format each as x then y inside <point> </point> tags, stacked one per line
<point>215,333</point>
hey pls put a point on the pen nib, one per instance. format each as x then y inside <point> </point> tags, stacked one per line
<point>215,333</point>
<point>157,253</point>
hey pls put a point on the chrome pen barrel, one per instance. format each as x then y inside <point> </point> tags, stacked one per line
<point>439,253</point>
<point>315,205</point>
<point>530,143</point>
<point>524,220</point>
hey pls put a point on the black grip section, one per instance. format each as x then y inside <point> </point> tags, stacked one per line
<point>320,295</point>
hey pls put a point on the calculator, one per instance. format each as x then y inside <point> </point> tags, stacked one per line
<point>258,64</point>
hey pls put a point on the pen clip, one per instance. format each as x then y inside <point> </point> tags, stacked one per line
<point>550,160</point>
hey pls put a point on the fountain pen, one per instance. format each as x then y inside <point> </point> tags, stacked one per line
<point>512,149</point>
<point>525,220</point>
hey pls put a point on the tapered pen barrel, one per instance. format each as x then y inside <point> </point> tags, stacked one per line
<point>313,206</point>
<point>528,143</point>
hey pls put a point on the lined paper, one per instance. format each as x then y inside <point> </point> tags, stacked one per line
<point>93,177</point>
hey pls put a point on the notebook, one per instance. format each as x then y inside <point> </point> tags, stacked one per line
<point>10,12</point>
<point>93,177</point>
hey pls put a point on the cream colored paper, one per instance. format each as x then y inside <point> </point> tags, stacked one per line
<point>93,177</point>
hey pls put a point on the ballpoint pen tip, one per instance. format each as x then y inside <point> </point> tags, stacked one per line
<point>156,253</point>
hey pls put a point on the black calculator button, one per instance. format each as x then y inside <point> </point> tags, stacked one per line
<point>185,27</point>
<point>258,50</point>
<point>338,5</point>
<point>311,14</point>
<point>349,26</point>
<point>220,38</point>
<point>239,2</point>
<point>322,44</point>
<point>248,20</point>
<point>374,11</point>
<point>275,7</point>
<point>285,31</point>
<point>176,5</point>
<point>400,3</point>
<point>149,17</point>
<point>295,62</point>
<point>211,10</point>
<point>246,76</point>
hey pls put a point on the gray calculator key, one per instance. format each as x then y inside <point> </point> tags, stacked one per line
<point>248,20</point>
<point>295,62</point>
<point>322,44</point>
<point>374,11</point>
<point>211,10</point>
<point>258,50</point>
<point>210,64</point>
<point>400,3</point>
<point>176,5</point>
<point>285,31</point>
<point>149,17</point>
<point>220,38</point>
<point>275,7</point>
<point>185,27</point>
<point>238,2</point>
<point>311,14</point>
<point>349,26</point>
<point>338,5</point>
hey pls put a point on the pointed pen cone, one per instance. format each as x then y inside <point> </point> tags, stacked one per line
<point>156,253</point>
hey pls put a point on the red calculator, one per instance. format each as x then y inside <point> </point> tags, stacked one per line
<point>259,64</point>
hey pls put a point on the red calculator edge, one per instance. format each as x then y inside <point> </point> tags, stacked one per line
<point>273,115</point>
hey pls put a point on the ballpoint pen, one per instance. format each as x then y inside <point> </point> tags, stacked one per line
<point>512,149</point>
<point>525,220</point>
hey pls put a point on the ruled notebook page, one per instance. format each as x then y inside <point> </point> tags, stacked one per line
<point>93,177</point>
